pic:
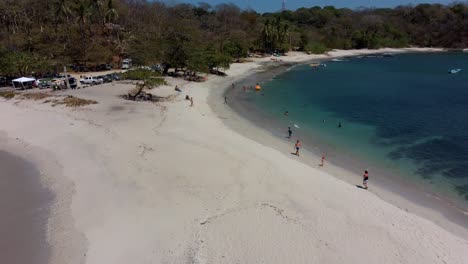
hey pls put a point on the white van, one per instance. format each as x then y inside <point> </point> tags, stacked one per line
<point>126,64</point>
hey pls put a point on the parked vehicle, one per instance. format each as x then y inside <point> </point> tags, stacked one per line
<point>126,64</point>
<point>157,68</point>
<point>80,68</point>
<point>106,78</point>
<point>44,83</point>
<point>91,80</point>
<point>114,76</point>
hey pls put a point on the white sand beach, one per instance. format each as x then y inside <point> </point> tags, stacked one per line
<point>139,182</point>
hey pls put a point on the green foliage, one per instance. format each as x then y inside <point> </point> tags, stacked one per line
<point>139,75</point>
<point>7,94</point>
<point>154,82</point>
<point>316,48</point>
<point>274,35</point>
<point>38,36</point>
<point>22,63</point>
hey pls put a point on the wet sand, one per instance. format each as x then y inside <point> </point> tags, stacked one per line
<point>25,207</point>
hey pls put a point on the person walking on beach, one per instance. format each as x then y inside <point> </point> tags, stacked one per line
<point>225,99</point>
<point>298,147</point>
<point>323,160</point>
<point>365,179</point>
<point>289,132</point>
<point>191,101</point>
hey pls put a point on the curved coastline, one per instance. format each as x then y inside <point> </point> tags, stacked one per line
<point>26,206</point>
<point>40,227</point>
<point>402,193</point>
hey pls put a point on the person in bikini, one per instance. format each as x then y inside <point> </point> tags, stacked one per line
<point>298,147</point>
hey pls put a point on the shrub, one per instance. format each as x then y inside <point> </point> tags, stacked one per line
<point>139,75</point>
<point>316,48</point>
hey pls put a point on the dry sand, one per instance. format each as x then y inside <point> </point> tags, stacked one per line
<point>168,183</point>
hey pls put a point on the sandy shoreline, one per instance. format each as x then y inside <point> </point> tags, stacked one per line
<point>403,193</point>
<point>167,183</point>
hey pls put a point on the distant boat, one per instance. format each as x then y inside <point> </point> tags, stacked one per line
<point>453,71</point>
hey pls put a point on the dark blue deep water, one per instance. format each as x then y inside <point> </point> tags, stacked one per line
<point>404,113</point>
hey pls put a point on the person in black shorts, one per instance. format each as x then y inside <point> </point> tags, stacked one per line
<point>289,132</point>
<point>365,179</point>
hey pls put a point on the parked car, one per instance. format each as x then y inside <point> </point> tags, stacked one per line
<point>114,76</point>
<point>157,68</point>
<point>91,80</point>
<point>103,67</point>
<point>105,78</point>
<point>126,64</point>
<point>44,82</point>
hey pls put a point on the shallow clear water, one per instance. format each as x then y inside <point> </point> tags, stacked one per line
<point>404,113</point>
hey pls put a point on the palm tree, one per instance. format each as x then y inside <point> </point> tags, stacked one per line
<point>83,13</point>
<point>111,13</point>
<point>62,12</point>
<point>96,6</point>
<point>267,34</point>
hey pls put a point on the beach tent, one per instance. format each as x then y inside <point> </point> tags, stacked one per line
<point>23,83</point>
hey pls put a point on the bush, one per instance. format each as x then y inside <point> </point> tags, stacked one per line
<point>316,48</point>
<point>139,75</point>
<point>8,94</point>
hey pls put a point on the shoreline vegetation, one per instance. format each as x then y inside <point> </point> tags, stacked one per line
<point>190,183</point>
<point>38,38</point>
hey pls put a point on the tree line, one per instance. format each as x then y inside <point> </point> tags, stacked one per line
<point>38,36</point>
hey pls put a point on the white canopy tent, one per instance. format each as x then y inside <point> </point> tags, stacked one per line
<point>23,82</point>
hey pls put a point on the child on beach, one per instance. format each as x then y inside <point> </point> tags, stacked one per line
<point>298,147</point>
<point>191,101</point>
<point>365,179</point>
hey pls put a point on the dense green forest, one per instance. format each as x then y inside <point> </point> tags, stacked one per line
<point>44,35</point>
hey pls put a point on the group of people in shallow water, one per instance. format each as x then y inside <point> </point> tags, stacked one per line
<point>298,145</point>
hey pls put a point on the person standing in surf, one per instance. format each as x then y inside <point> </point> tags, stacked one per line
<point>365,179</point>
<point>289,132</point>
<point>323,160</point>
<point>298,147</point>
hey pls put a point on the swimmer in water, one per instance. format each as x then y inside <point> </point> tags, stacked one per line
<point>286,113</point>
<point>339,124</point>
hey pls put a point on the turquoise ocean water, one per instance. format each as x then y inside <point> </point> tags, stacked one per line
<point>405,114</point>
